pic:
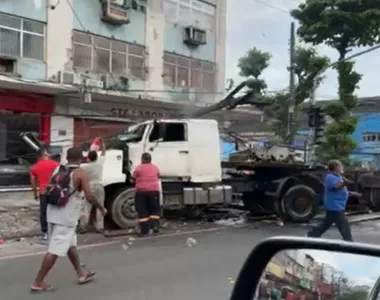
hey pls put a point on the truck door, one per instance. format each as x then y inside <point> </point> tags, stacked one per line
<point>169,146</point>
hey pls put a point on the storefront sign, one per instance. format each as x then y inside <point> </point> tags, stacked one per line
<point>143,113</point>
<point>277,270</point>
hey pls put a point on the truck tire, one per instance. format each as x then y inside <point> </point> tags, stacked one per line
<point>122,208</point>
<point>278,207</point>
<point>300,204</point>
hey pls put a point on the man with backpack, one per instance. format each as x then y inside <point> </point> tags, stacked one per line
<point>69,185</point>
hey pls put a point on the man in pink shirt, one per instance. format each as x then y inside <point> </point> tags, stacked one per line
<point>147,199</point>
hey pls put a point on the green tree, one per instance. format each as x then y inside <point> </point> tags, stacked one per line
<point>251,66</point>
<point>355,295</point>
<point>342,25</point>
<point>307,65</point>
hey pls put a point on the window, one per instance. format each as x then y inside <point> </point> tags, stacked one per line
<point>191,12</point>
<point>105,55</point>
<point>168,132</point>
<point>185,72</point>
<point>21,37</point>
<point>371,137</point>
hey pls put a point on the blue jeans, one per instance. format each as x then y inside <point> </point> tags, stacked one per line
<point>331,217</point>
<point>43,219</point>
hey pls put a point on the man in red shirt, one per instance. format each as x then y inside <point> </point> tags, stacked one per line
<point>40,175</point>
<point>147,198</point>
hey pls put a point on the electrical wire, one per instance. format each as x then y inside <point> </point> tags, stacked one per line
<point>273,6</point>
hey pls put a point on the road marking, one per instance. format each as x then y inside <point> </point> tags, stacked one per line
<point>117,240</point>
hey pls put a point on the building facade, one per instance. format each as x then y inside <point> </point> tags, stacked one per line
<point>77,69</point>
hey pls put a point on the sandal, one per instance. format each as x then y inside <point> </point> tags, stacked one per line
<point>35,289</point>
<point>89,273</point>
<point>85,279</point>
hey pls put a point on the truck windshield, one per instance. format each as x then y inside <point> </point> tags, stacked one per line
<point>133,134</point>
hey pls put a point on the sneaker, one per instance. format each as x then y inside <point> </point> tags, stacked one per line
<point>45,237</point>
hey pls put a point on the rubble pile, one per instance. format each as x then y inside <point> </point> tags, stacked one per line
<point>18,222</point>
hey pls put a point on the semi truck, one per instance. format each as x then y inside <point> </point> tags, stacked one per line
<point>187,152</point>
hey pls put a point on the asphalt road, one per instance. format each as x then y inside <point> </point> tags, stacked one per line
<point>162,268</point>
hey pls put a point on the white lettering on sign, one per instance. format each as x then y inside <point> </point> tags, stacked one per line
<point>126,112</point>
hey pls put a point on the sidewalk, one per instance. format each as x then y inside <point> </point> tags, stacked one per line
<point>19,214</point>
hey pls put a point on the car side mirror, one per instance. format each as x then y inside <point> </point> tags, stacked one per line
<point>306,268</point>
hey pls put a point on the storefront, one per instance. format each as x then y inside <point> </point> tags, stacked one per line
<point>86,129</point>
<point>21,112</point>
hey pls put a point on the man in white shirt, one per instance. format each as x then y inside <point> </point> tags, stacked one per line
<point>94,169</point>
<point>62,222</point>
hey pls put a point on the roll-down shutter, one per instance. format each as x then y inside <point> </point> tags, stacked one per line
<point>85,130</point>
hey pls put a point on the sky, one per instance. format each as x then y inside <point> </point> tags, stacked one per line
<point>360,270</point>
<point>265,24</point>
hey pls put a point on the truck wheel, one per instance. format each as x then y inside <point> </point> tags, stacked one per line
<point>122,209</point>
<point>300,203</point>
<point>279,209</point>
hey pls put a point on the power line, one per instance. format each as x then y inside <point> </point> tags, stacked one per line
<point>273,6</point>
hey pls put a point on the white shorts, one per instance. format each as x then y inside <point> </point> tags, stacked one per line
<point>61,238</point>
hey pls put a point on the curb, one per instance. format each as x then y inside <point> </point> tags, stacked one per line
<point>28,234</point>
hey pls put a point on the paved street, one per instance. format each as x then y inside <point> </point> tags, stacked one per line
<point>162,268</point>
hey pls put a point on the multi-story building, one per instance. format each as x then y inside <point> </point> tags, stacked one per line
<point>84,68</point>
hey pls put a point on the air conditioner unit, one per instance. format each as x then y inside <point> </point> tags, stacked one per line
<point>115,12</point>
<point>195,36</point>
<point>94,83</point>
<point>69,78</point>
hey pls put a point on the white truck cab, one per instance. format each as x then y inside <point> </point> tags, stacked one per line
<point>187,152</point>
<point>187,149</point>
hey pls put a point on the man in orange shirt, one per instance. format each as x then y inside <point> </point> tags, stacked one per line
<point>40,175</point>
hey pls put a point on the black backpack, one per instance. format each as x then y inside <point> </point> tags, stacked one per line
<point>58,191</point>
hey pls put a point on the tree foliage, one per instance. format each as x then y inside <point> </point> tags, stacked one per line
<point>355,295</point>
<point>342,25</point>
<point>307,65</point>
<point>251,65</point>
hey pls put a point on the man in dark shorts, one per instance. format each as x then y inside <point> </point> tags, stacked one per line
<point>40,175</point>
<point>147,198</point>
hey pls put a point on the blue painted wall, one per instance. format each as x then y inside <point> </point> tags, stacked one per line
<point>31,9</point>
<point>35,10</point>
<point>367,151</point>
<point>173,42</point>
<point>89,14</point>
<point>226,149</point>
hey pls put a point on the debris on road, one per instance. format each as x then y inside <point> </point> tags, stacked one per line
<point>191,242</point>
<point>233,222</point>
<point>124,246</point>
<point>16,223</point>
